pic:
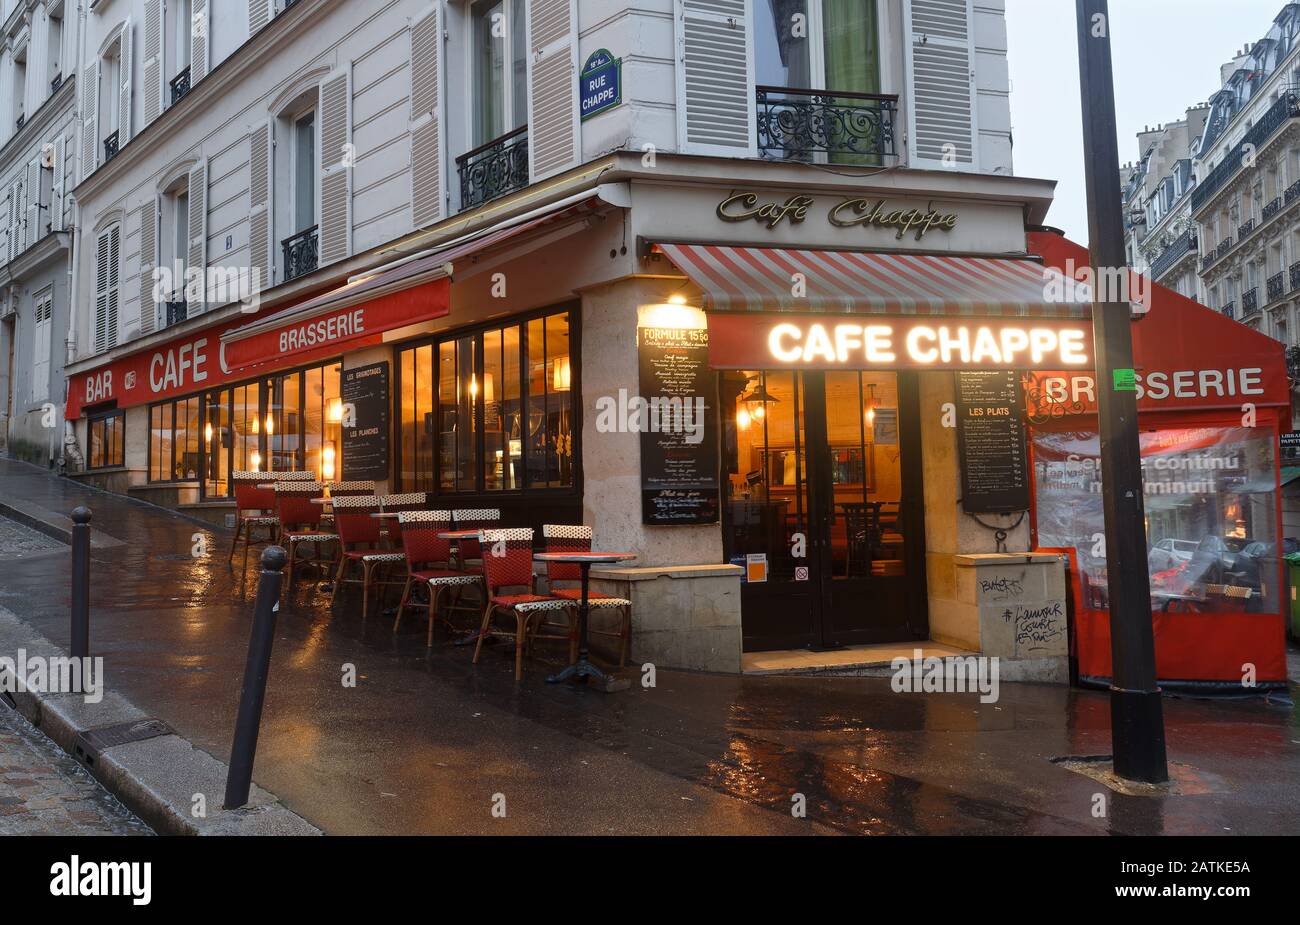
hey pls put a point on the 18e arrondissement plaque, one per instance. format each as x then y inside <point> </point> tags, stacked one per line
<point>679,442</point>
<point>991,442</point>
<point>365,422</point>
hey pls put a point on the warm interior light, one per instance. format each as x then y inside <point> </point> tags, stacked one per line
<point>270,425</point>
<point>473,388</point>
<point>327,461</point>
<point>489,394</point>
<point>257,425</point>
<point>336,411</point>
<point>871,415</point>
<point>677,299</point>
<point>759,412</point>
<point>562,378</point>
<point>742,419</point>
<point>256,460</point>
<point>207,432</point>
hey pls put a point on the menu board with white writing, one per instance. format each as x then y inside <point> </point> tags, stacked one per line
<point>679,442</point>
<point>991,439</point>
<point>365,422</point>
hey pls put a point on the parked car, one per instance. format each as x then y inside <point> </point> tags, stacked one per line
<point>1170,553</point>
<point>1252,562</point>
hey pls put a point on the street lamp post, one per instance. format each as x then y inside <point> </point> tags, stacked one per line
<point>1137,722</point>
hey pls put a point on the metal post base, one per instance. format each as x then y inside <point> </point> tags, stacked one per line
<point>1138,735</point>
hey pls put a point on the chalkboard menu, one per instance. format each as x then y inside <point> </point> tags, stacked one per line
<point>991,439</point>
<point>365,422</point>
<point>679,438</point>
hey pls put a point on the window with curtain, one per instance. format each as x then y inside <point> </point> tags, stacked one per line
<point>107,440</point>
<point>490,410</point>
<point>499,68</point>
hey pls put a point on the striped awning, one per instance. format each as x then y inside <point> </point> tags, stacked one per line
<point>788,279</point>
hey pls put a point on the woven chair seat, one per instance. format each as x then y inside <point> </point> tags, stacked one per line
<point>377,556</point>
<point>310,536</point>
<point>526,603</point>
<point>447,577</point>
<point>260,520</point>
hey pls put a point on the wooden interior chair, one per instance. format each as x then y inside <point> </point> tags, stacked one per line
<point>300,523</point>
<point>359,542</point>
<point>428,562</point>
<point>574,538</point>
<point>509,564</point>
<point>254,509</point>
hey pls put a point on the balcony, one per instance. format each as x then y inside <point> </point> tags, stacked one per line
<point>110,147</point>
<point>1276,286</point>
<point>1224,246</point>
<point>1274,207</point>
<point>1179,248</point>
<point>180,86</point>
<point>1292,193</point>
<point>825,125</point>
<point>301,253</point>
<point>494,169</point>
<point>1249,301</point>
<point>1230,309</point>
<point>1295,276</point>
<point>1286,107</point>
<point>174,312</point>
<point>1245,229</point>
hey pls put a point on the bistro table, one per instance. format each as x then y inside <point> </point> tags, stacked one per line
<point>456,536</point>
<point>582,668</point>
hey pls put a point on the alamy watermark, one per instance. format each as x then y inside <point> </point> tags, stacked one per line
<point>954,674</point>
<point>215,284</point>
<point>662,414</point>
<point>59,674</point>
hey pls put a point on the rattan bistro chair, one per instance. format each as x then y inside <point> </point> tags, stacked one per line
<point>508,563</point>
<point>359,542</point>
<point>300,523</point>
<point>395,504</point>
<point>289,476</point>
<point>470,551</point>
<point>428,562</point>
<point>572,538</point>
<point>254,508</point>
<point>351,489</point>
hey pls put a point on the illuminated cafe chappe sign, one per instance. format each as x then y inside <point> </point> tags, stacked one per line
<point>745,340</point>
<point>851,213</point>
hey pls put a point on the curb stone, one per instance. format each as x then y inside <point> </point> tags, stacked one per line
<point>158,778</point>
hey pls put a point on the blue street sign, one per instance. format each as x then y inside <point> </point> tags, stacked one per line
<point>600,85</point>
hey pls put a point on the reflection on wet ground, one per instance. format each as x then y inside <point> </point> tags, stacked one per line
<point>425,741</point>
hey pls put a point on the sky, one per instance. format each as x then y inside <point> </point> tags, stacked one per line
<point>1166,56</point>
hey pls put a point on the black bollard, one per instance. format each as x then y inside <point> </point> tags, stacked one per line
<point>256,669</point>
<point>80,632</point>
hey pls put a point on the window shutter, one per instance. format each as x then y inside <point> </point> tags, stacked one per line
<point>153,60</point>
<point>199,42</point>
<point>114,258</point>
<point>259,14</point>
<point>427,158</point>
<point>90,119</point>
<point>148,262</point>
<point>939,46</point>
<point>715,78</point>
<point>57,183</point>
<point>9,225</point>
<point>260,257</point>
<point>336,167</point>
<point>106,270</point>
<point>553,144</point>
<point>34,230</point>
<point>124,99</point>
<point>197,259</point>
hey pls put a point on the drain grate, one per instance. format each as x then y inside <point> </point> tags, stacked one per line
<point>92,742</point>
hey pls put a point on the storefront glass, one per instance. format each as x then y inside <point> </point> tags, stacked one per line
<point>1211,512</point>
<point>107,446</point>
<point>497,413</point>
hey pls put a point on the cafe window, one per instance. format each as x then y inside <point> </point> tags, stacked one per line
<point>490,410</point>
<point>107,440</point>
<point>174,440</point>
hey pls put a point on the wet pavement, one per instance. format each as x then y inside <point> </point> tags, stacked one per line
<point>425,742</point>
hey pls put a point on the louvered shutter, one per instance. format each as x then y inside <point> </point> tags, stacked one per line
<point>57,184</point>
<point>114,293</point>
<point>20,215</point>
<point>259,14</point>
<point>197,258</point>
<point>715,78</point>
<point>106,288</point>
<point>152,70</point>
<point>939,43</point>
<point>9,225</point>
<point>336,167</point>
<point>260,256</point>
<point>124,98</point>
<point>553,140</point>
<point>199,42</point>
<point>34,229</point>
<point>427,158</point>
<point>90,119</point>
<point>148,262</point>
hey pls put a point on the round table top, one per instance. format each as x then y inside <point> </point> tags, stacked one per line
<point>583,556</point>
<point>385,515</point>
<point>460,534</point>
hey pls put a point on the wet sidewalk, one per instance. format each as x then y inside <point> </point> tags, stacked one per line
<point>425,742</point>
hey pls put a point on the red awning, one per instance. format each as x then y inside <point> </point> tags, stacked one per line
<point>786,279</point>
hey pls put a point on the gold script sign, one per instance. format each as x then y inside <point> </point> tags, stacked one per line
<point>852,213</point>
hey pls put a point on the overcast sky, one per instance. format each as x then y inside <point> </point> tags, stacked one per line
<point>1166,54</point>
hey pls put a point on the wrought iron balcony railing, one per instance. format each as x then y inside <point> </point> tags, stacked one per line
<point>1230,309</point>
<point>110,147</point>
<point>301,253</point>
<point>1286,107</point>
<point>494,169</point>
<point>841,126</point>
<point>1250,300</point>
<point>1273,207</point>
<point>174,312</point>
<point>1292,192</point>
<point>1245,229</point>
<point>1294,273</point>
<point>180,86</point>
<point>1179,248</point>
<point>1276,285</point>
<point>1224,246</point>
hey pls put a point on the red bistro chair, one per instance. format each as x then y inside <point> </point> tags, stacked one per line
<point>285,476</point>
<point>359,539</point>
<point>471,550</point>
<point>300,522</point>
<point>351,489</point>
<point>566,538</point>
<point>509,564</point>
<point>395,504</point>
<point>253,509</point>
<point>427,561</point>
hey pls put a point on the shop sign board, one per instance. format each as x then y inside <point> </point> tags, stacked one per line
<point>365,396</point>
<point>600,85</point>
<point>991,442</point>
<point>679,441</point>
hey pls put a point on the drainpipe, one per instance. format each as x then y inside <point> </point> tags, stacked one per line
<point>71,451</point>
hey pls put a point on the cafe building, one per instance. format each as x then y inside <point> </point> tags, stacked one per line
<point>798,398</point>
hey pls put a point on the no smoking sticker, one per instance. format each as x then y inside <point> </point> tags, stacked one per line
<point>801,573</point>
